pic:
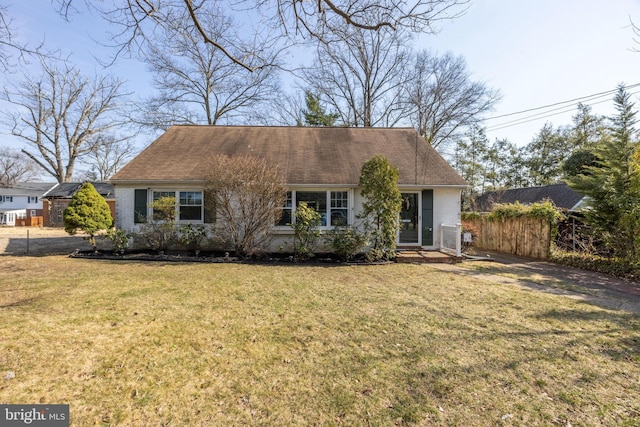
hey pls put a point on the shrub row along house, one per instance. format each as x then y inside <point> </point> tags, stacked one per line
<point>321,167</point>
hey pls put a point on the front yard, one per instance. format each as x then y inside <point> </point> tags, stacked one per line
<point>128,343</point>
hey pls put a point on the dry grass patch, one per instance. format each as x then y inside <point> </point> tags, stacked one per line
<point>228,344</point>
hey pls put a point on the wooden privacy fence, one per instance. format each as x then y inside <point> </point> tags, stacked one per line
<point>523,236</point>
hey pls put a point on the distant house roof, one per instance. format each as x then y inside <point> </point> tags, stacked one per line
<point>27,189</point>
<point>307,155</point>
<point>560,194</point>
<point>66,190</point>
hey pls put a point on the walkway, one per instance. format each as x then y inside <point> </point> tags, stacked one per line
<point>598,289</point>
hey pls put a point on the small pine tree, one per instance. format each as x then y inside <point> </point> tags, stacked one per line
<point>315,115</point>
<point>88,212</point>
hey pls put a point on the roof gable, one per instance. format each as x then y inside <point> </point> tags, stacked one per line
<point>307,155</point>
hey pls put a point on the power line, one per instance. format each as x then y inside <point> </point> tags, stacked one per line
<point>587,97</point>
<point>553,112</point>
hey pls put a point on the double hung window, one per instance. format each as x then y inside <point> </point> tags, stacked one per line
<point>189,204</point>
<point>333,206</point>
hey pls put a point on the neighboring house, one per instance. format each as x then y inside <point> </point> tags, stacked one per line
<point>21,204</point>
<point>561,195</point>
<point>321,165</point>
<point>57,199</point>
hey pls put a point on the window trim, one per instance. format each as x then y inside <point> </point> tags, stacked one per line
<point>328,193</point>
<point>176,195</point>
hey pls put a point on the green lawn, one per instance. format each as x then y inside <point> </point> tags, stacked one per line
<point>154,344</point>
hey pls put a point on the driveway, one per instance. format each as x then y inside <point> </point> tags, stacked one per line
<point>599,289</point>
<point>39,241</point>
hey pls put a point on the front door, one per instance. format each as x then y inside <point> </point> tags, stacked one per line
<point>427,218</point>
<point>409,220</point>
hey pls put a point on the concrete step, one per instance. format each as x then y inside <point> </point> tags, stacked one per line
<point>424,257</point>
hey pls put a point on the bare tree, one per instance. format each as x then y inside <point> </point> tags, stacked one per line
<point>443,100</point>
<point>360,75</point>
<point>247,197</point>
<point>286,110</point>
<point>137,20</point>
<point>15,167</point>
<point>59,113</point>
<point>197,83</point>
<point>9,44</point>
<point>107,155</point>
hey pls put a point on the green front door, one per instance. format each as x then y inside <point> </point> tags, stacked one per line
<point>427,218</point>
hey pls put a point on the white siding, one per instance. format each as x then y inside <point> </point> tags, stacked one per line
<point>446,210</point>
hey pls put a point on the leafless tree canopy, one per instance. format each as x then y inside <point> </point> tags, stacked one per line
<point>247,195</point>
<point>136,20</point>
<point>443,99</point>
<point>197,83</point>
<point>9,45</point>
<point>59,114</point>
<point>107,155</point>
<point>360,75</point>
<point>15,167</point>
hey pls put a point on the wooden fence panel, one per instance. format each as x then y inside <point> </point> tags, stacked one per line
<point>529,237</point>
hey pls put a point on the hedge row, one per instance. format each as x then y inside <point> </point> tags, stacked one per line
<point>612,266</point>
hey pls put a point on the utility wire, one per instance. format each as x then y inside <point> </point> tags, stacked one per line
<point>553,112</point>
<point>587,97</point>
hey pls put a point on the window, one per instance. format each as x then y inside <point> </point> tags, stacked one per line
<point>21,215</point>
<point>157,195</point>
<point>287,210</point>
<point>32,199</point>
<point>333,206</point>
<point>189,206</point>
<point>316,200</point>
<point>7,199</point>
<point>33,213</point>
<point>339,208</point>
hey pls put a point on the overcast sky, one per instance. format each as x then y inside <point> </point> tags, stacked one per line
<point>536,52</point>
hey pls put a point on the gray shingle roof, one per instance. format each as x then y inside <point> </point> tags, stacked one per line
<point>27,189</point>
<point>307,155</point>
<point>560,194</point>
<point>66,190</point>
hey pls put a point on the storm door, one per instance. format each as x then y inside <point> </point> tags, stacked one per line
<point>409,220</point>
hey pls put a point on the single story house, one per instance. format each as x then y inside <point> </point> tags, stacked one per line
<point>322,167</point>
<point>21,204</point>
<point>561,195</point>
<point>56,200</point>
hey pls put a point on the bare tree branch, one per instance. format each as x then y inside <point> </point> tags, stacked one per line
<point>138,20</point>
<point>198,84</point>
<point>60,112</point>
<point>15,167</point>
<point>360,74</point>
<point>443,99</point>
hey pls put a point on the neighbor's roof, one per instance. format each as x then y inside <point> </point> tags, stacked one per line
<point>308,155</point>
<point>560,194</point>
<point>68,189</point>
<point>27,189</point>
